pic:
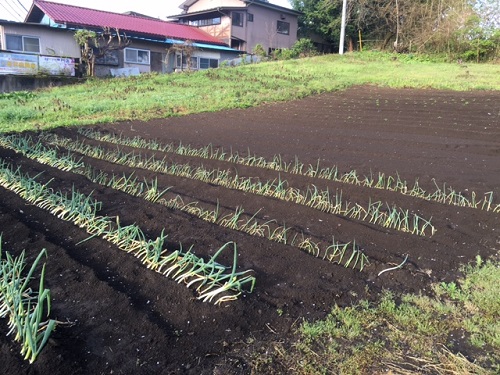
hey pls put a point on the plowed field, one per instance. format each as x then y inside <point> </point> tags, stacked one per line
<point>128,319</point>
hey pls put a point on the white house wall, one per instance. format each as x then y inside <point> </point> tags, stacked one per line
<point>52,42</point>
<point>206,54</point>
<point>105,70</point>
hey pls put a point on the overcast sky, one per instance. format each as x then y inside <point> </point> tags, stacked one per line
<point>14,10</point>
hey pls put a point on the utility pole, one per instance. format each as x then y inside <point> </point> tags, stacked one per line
<point>342,27</point>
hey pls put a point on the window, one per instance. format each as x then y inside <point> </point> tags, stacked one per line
<point>208,63</point>
<point>181,62</point>
<point>31,44</point>
<point>14,42</point>
<point>110,58</point>
<point>23,43</point>
<point>209,22</point>
<point>137,56</point>
<point>194,63</point>
<point>205,22</point>
<point>236,44</point>
<point>204,63</point>
<point>237,19</point>
<point>250,17</point>
<point>283,28</point>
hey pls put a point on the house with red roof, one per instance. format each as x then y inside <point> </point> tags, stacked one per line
<point>49,28</point>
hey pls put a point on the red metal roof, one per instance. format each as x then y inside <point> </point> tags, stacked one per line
<point>85,17</point>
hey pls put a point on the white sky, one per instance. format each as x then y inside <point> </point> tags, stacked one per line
<point>13,9</point>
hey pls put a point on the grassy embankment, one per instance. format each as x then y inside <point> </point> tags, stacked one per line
<point>457,332</point>
<point>156,96</point>
<point>416,334</point>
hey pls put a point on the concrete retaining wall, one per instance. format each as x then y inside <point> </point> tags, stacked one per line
<point>9,83</point>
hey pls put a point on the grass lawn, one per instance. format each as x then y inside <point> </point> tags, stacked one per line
<point>159,96</point>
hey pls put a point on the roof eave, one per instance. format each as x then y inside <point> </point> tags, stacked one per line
<point>32,13</point>
<point>160,38</point>
<point>187,3</point>
<point>275,7</point>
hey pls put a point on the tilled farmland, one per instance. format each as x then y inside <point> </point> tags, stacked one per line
<point>190,245</point>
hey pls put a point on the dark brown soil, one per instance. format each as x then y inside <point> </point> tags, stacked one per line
<point>130,320</point>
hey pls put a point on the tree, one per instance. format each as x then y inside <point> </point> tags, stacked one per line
<point>185,50</point>
<point>322,18</point>
<point>452,27</point>
<point>259,50</point>
<point>489,14</point>
<point>95,45</point>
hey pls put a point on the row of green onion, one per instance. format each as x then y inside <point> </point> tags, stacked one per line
<point>442,194</point>
<point>210,277</point>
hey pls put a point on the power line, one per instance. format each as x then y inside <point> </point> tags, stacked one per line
<point>18,8</point>
<point>14,4</point>
<point>13,9</point>
<point>22,6</point>
<point>10,12</point>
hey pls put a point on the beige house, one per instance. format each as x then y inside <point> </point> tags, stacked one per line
<point>242,24</point>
